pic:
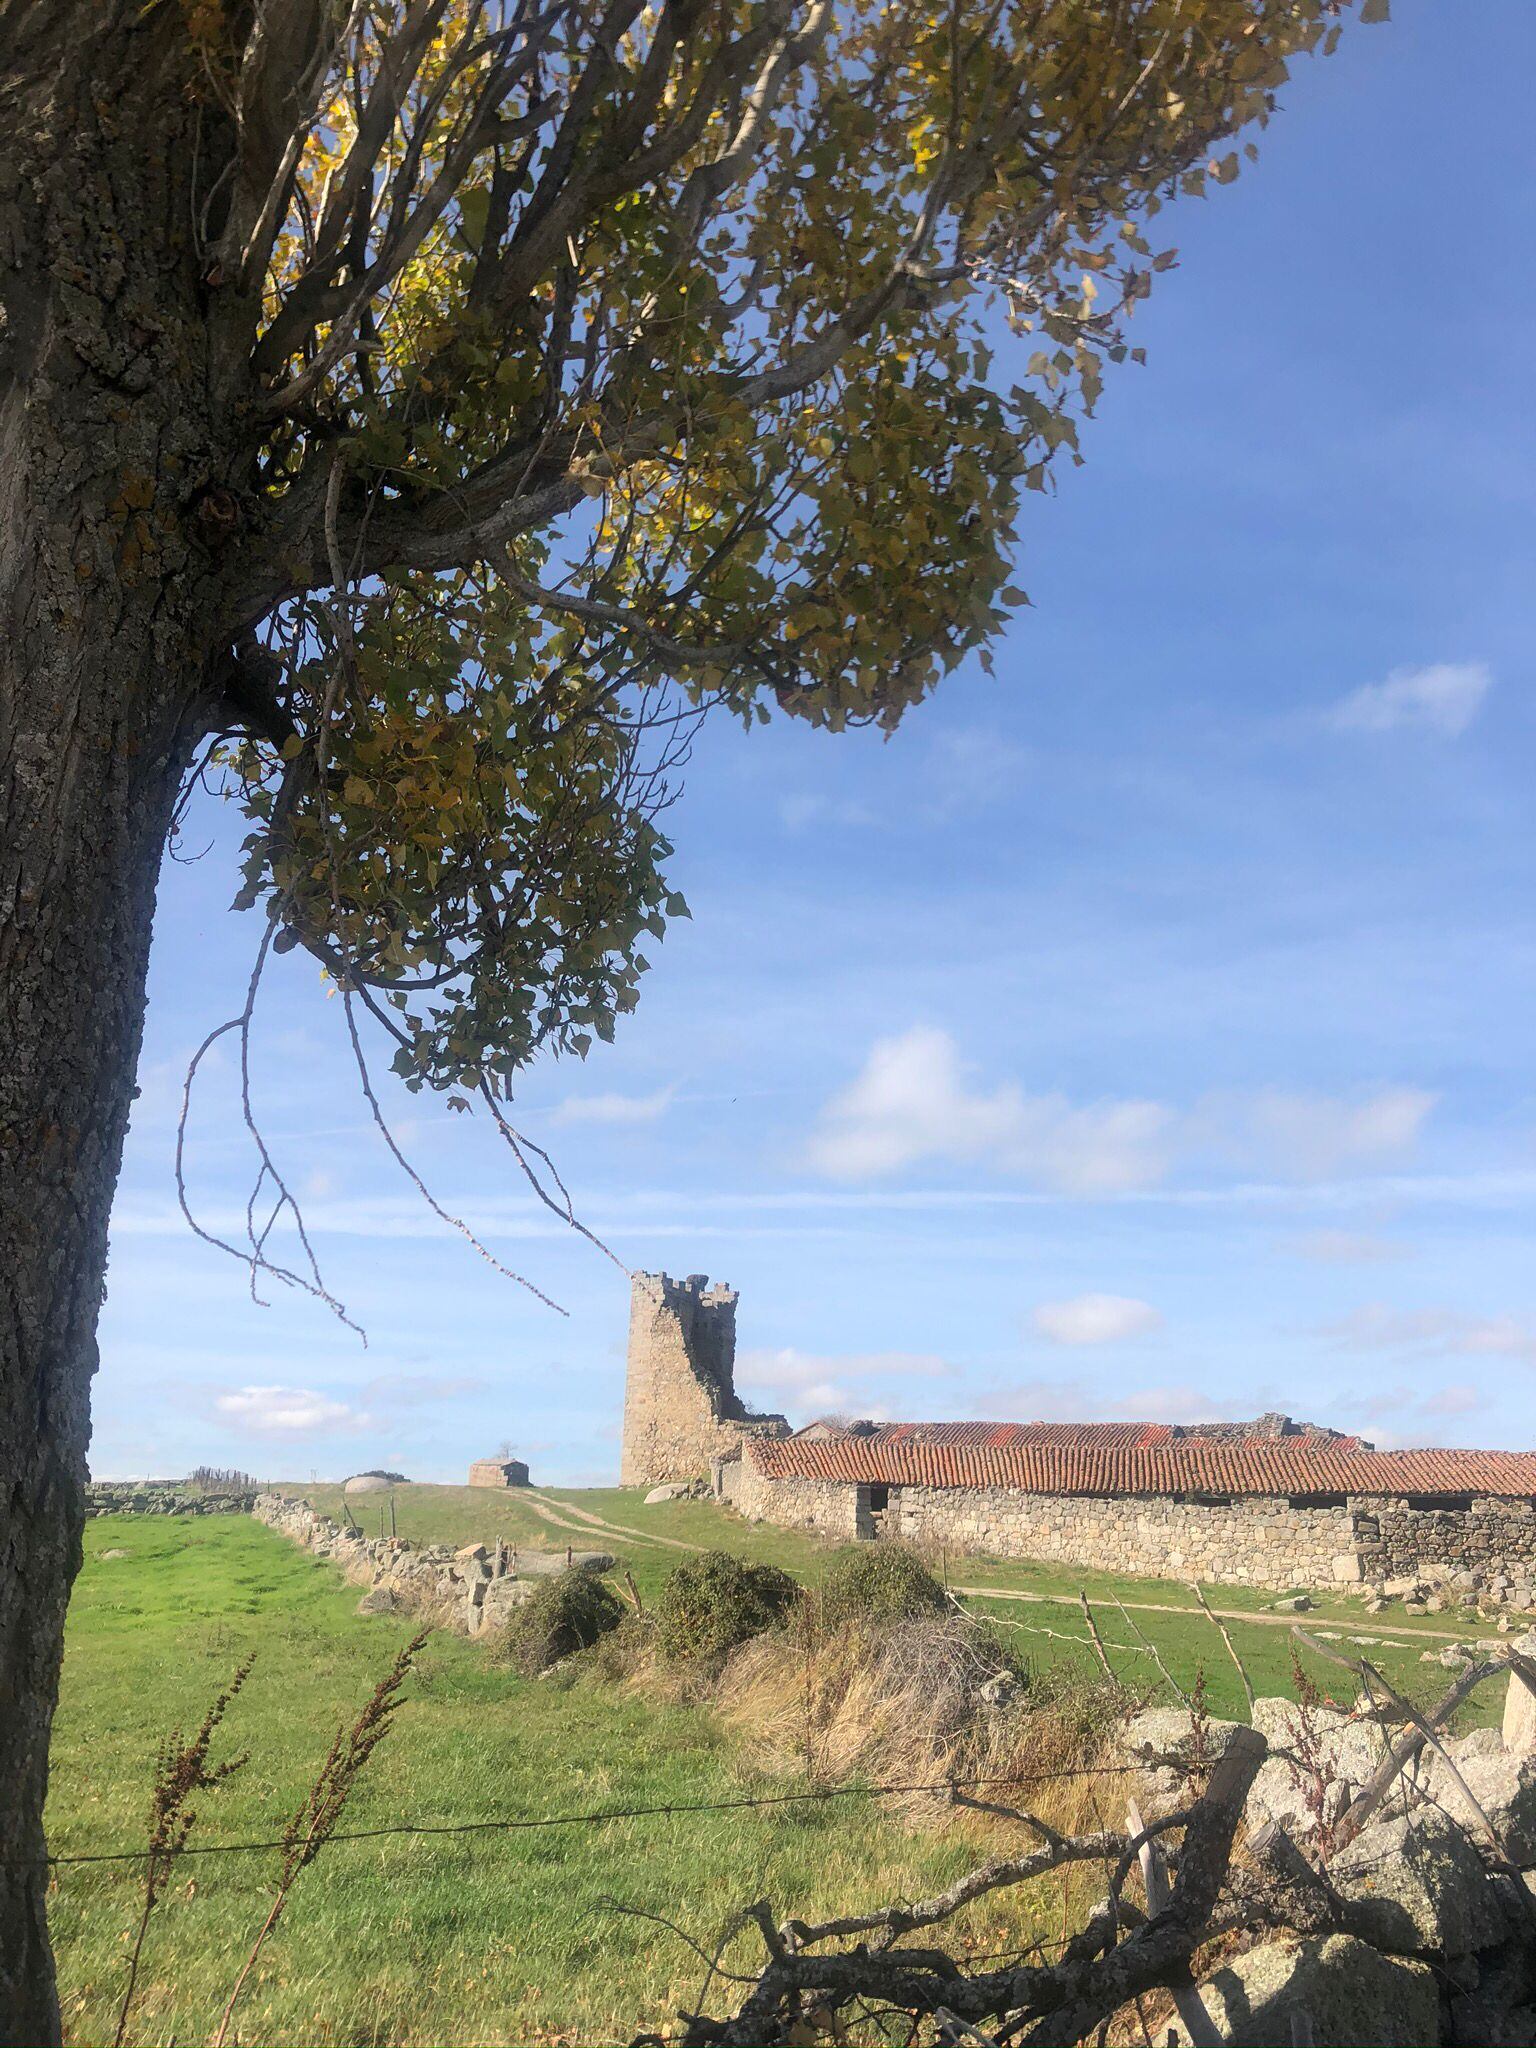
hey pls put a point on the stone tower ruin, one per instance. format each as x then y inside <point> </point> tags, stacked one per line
<point>681,1408</point>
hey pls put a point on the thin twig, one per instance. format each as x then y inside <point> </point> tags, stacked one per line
<point>1220,1626</point>
<point>1096,1639</point>
<point>1152,1651</point>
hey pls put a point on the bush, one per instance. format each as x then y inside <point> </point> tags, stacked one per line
<point>879,1582</point>
<point>566,1613</point>
<point>715,1601</point>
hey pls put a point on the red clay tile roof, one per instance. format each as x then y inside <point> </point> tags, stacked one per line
<point>1136,1458</point>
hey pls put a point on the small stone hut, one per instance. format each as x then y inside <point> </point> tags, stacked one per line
<point>1270,1503</point>
<point>498,1472</point>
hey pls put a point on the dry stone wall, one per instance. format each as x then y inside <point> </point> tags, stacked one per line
<point>107,1497</point>
<point>466,1590</point>
<point>681,1409</point>
<point>820,1505</point>
<point>1259,1542</point>
<point>1488,1549</point>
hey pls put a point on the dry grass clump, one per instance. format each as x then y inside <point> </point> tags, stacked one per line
<point>931,1699</point>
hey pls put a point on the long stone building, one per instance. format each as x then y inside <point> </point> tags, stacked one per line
<point>1267,1504</point>
<point>1264,1503</point>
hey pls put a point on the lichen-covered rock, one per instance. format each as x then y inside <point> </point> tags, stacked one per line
<point>382,1600</point>
<point>1318,1759</point>
<point>1519,1730</point>
<point>1504,1786</point>
<point>1338,1987</point>
<point>1164,1742</point>
<point>1420,1885</point>
<point>499,1599</point>
<point>1168,1735</point>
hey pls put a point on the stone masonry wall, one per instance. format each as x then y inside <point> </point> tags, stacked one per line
<point>110,1497</point>
<point>822,1505</point>
<point>1259,1542</point>
<point>1488,1549</point>
<point>466,1590</point>
<point>681,1409</point>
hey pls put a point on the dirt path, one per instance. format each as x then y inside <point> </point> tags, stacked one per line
<point>561,1512</point>
<point>1386,1633</point>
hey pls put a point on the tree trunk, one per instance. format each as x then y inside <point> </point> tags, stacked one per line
<point>109,564</point>
<point>85,797</point>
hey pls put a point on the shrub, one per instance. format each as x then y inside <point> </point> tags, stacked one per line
<point>715,1601</point>
<point>566,1613</point>
<point>879,1582</point>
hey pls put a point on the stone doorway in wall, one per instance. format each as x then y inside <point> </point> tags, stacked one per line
<point>874,1511</point>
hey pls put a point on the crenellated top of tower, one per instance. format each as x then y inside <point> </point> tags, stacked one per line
<point>696,1286</point>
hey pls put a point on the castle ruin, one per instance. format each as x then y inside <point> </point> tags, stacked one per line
<point>681,1410</point>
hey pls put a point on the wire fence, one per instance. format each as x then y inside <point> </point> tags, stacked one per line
<point>605,1816</point>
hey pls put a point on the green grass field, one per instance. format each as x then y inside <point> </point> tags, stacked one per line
<point>495,1938</point>
<point>502,1938</point>
<point>1047,1624</point>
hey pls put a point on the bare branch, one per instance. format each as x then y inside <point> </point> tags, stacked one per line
<point>1220,1626</point>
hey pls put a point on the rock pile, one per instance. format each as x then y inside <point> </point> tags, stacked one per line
<point>1431,1906</point>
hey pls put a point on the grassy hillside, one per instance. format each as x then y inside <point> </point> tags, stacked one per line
<point>484,1938</point>
<point>1036,1603</point>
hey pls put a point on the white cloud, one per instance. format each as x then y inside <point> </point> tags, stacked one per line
<point>1459,1400</point>
<point>1437,1331</point>
<point>1345,1248</point>
<point>1394,1418</point>
<point>1078,1401</point>
<point>970,767</point>
<point>421,1390</point>
<point>1310,1135</point>
<point>822,1384</point>
<point>915,1101</point>
<point>805,808</point>
<point>1442,698</point>
<point>284,1411</point>
<point>1096,1319</point>
<point>613,1108</point>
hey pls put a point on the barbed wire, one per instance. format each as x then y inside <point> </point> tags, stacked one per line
<point>603,1816</point>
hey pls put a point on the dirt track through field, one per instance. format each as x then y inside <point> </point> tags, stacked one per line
<point>560,1513</point>
<point>578,1518</point>
<point>1386,1632</point>
<point>565,1516</point>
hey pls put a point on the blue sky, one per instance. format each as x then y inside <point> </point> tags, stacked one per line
<point>1143,1031</point>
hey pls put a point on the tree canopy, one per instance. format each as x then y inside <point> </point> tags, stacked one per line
<point>602,362</point>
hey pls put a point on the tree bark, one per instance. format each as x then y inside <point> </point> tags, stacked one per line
<point>110,569</point>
